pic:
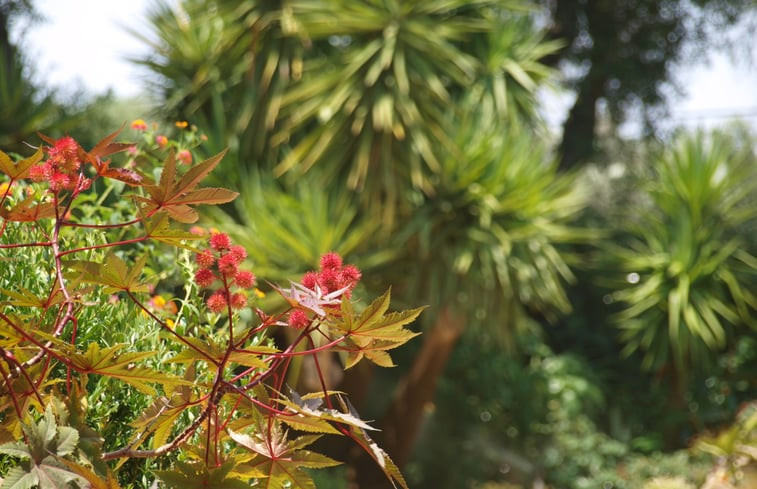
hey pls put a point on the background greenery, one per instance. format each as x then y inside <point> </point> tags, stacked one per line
<point>592,305</point>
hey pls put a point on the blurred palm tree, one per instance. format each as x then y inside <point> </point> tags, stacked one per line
<point>224,65</point>
<point>484,251</point>
<point>688,272</point>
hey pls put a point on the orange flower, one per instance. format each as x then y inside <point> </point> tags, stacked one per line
<point>184,156</point>
<point>139,125</point>
<point>161,140</point>
<point>182,124</point>
<point>4,187</point>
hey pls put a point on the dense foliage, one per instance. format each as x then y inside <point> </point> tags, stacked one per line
<point>204,391</point>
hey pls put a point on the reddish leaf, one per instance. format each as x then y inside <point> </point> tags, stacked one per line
<point>25,211</point>
<point>106,146</point>
<point>175,195</point>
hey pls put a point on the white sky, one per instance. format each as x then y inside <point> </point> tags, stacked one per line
<point>84,41</point>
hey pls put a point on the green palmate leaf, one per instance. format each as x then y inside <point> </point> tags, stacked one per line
<point>113,273</point>
<point>307,423</point>
<point>39,465</point>
<point>174,195</point>
<point>23,298</point>
<point>208,349</point>
<point>197,475</point>
<point>282,460</point>
<point>26,211</point>
<point>158,228</point>
<point>374,325</point>
<point>19,169</point>
<point>374,351</point>
<point>110,363</point>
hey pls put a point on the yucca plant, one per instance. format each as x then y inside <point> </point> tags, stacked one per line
<point>488,239</point>
<point>224,66</point>
<point>687,267</point>
<point>484,252</point>
<point>510,70</point>
<point>377,105</point>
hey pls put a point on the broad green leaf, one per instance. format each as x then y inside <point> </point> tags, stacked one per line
<point>109,362</point>
<point>160,417</point>
<point>158,228</point>
<point>281,460</point>
<point>197,475</point>
<point>113,273</point>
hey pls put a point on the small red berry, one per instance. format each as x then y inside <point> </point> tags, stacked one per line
<point>220,241</point>
<point>39,173</point>
<point>227,265</point>
<point>204,277</point>
<point>238,252</point>
<point>309,280</point>
<point>331,260</point>
<point>329,281</point>
<point>205,258</point>
<point>238,301</point>
<point>350,275</point>
<point>244,279</point>
<point>298,319</point>
<point>217,302</point>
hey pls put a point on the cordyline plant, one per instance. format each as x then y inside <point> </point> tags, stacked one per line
<point>219,410</point>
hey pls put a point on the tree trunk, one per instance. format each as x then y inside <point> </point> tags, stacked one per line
<point>412,398</point>
<point>577,143</point>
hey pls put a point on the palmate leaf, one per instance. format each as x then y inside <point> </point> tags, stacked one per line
<point>374,325</point>
<point>27,211</point>
<point>106,147</point>
<point>26,298</point>
<point>19,169</point>
<point>281,461</point>
<point>217,352</point>
<point>197,475</point>
<point>113,273</point>
<point>158,229</point>
<point>23,298</point>
<point>174,194</point>
<point>39,465</point>
<point>109,362</point>
<point>159,418</point>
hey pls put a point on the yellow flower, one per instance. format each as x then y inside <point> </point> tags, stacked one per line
<point>182,124</point>
<point>259,293</point>
<point>139,125</point>
<point>170,323</point>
